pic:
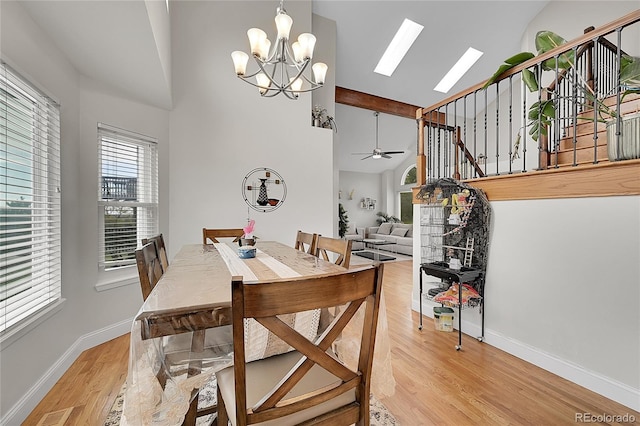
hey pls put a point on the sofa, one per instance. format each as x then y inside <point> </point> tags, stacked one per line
<point>356,239</point>
<point>399,236</point>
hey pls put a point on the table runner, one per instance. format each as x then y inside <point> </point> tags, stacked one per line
<point>238,266</point>
<point>259,342</point>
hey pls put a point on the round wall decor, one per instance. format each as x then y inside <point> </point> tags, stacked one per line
<point>263,189</point>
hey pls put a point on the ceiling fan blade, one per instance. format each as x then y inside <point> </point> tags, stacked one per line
<point>368,156</point>
<point>394,152</point>
<point>384,155</point>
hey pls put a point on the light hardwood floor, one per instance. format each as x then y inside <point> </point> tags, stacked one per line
<point>436,385</point>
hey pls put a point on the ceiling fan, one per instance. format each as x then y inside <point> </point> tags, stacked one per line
<point>377,152</point>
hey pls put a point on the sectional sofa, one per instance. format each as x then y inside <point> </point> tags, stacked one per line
<point>399,236</point>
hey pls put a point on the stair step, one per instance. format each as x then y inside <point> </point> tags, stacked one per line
<point>584,127</point>
<point>626,107</point>
<point>583,140</point>
<point>583,156</point>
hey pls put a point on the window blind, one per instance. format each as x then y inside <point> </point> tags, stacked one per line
<point>128,194</point>
<point>30,277</point>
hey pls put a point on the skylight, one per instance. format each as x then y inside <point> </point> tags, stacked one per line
<point>402,41</point>
<point>456,72</point>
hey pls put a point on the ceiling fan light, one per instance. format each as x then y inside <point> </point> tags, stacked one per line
<point>376,156</point>
<point>319,72</point>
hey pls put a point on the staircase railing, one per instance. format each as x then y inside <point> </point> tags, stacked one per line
<point>479,133</point>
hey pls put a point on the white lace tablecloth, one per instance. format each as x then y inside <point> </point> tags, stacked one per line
<point>197,283</point>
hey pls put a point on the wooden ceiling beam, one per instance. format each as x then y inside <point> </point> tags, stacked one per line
<point>388,106</point>
<point>375,103</point>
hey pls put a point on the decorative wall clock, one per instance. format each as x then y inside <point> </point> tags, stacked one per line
<point>263,189</point>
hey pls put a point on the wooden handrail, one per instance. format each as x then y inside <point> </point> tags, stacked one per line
<point>626,20</point>
<point>580,45</point>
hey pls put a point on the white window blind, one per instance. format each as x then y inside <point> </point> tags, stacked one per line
<point>127,195</point>
<point>30,204</point>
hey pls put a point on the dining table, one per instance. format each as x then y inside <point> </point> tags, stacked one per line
<point>194,296</point>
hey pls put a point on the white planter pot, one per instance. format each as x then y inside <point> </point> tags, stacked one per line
<point>628,147</point>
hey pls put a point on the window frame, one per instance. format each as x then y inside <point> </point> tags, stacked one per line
<point>404,189</point>
<point>147,200</point>
<point>30,135</point>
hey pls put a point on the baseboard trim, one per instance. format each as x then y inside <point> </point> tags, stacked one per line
<point>602,385</point>
<point>21,409</point>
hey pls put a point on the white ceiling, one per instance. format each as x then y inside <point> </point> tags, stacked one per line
<point>113,42</point>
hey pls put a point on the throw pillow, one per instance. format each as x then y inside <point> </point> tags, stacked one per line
<point>384,229</point>
<point>399,232</point>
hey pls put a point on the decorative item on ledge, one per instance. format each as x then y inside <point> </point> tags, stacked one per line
<point>350,197</point>
<point>319,118</point>
<point>268,194</point>
<point>368,204</point>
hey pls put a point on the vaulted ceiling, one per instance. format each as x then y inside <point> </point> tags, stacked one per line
<point>116,42</point>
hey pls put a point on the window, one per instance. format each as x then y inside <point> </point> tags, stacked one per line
<point>409,176</point>
<point>128,194</point>
<point>30,278</point>
<point>406,197</point>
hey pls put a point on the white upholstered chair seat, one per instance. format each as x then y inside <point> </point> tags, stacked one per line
<point>264,374</point>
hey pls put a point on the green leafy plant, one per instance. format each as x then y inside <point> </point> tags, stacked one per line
<point>543,112</point>
<point>324,120</point>
<point>343,221</point>
<point>383,217</point>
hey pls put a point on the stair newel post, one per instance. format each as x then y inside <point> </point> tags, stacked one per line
<point>421,163</point>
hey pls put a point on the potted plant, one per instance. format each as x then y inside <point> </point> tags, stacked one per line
<point>383,217</point>
<point>543,112</point>
<point>319,118</point>
<point>343,221</point>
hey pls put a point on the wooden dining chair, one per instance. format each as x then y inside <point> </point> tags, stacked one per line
<point>341,249</point>
<point>177,347</point>
<point>306,242</point>
<point>149,268</point>
<point>158,240</point>
<point>309,382</point>
<point>214,234</point>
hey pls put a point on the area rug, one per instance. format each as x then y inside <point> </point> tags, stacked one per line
<point>380,415</point>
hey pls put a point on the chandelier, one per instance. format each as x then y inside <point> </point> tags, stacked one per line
<point>281,69</point>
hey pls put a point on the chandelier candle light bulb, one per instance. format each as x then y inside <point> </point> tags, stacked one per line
<point>281,69</point>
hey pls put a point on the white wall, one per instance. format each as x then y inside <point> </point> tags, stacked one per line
<point>221,129</point>
<point>32,362</point>
<point>562,280</point>
<point>362,185</point>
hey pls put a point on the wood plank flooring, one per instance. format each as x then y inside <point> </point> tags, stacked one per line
<point>436,385</point>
